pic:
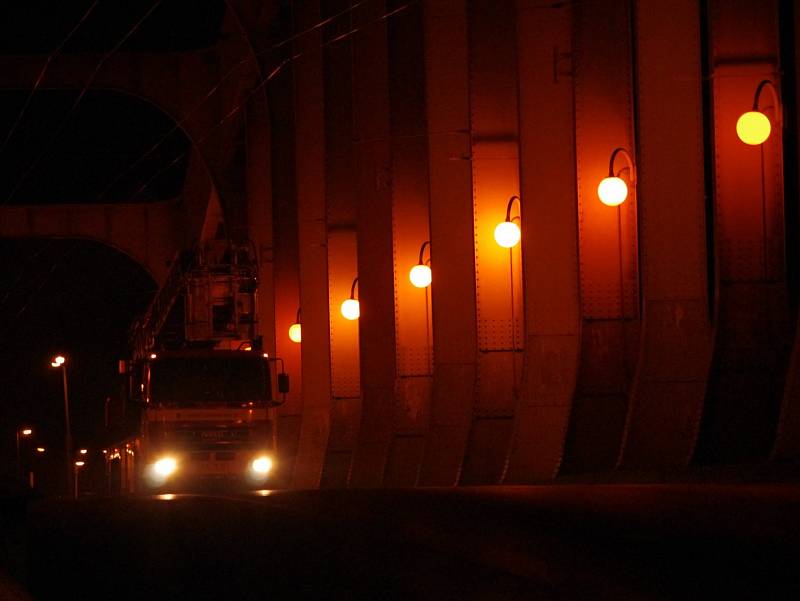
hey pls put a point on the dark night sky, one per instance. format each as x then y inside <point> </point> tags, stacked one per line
<point>75,296</point>
<point>69,296</point>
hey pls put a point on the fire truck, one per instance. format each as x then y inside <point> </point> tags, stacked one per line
<point>198,404</point>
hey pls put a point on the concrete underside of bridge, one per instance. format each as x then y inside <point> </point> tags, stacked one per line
<point>654,337</point>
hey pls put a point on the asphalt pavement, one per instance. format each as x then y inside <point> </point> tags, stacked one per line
<point>550,542</point>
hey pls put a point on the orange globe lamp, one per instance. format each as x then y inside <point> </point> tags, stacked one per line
<point>753,127</point>
<point>612,190</point>
<point>420,274</point>
<point>351,308</point>
<point>507,233</point>
<point>296,330</point>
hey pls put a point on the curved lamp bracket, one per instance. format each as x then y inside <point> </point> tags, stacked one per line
<point>509,205</point>
<point>427,243</point>
<point>767,83</point>
<point>628,158</point>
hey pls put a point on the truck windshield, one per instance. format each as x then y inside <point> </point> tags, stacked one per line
<point>209,380</point>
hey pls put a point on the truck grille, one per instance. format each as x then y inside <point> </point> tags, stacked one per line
<point>202,456</point>
<point>220,436</point>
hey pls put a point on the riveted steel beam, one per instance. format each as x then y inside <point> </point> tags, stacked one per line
<point>452,237</point>
<point>313,253</point>
<point>668,393</point>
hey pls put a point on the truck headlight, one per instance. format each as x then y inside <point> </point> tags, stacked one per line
<point>158,472</point>
<point>165,466</point>
<point>261,465</point>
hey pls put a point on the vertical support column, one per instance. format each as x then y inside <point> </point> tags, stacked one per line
<point>787,442</point>
<point>547,165</point>
<point>753,334</point>
<point>373,157</point>
<point>286,261</point>
<point>310,166</point>
<point>668,394</point>
<point>498,271</point>
<point>342,217</point>
<point>452,237</point>
<point>345,384</point>
<point>608,248</point>
<point>259,212</point>
<point>411,228</point>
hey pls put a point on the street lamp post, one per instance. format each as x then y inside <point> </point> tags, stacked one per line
<point>60,361</point>
<point>78,465</point>
<point>35,467</point>
<point>25,432</point>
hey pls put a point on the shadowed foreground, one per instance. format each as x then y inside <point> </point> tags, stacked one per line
<point>557,542</point>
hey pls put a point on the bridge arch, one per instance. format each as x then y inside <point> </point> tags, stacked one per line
<point>58,196</point>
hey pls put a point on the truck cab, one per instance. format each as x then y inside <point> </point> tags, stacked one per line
<point>206,419</point>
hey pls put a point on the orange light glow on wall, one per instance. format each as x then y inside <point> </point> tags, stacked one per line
<point>350,308</point>
<point>507,233</point>
<point>420,275</point>
<point>753,127</point>
<point>613,190</point>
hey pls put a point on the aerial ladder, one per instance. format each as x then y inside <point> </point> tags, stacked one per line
<point>209,300</point>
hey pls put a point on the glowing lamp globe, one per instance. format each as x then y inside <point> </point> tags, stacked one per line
<point>507,234</point>
<point>753,128</point>
<point>295,332</point>
<point>350,309</point>
<point>261,465</point>
<point>165,466</point>
<point>612,191</point>
<point>420,276</point>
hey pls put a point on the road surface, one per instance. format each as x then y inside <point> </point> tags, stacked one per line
<point>570,542</point>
